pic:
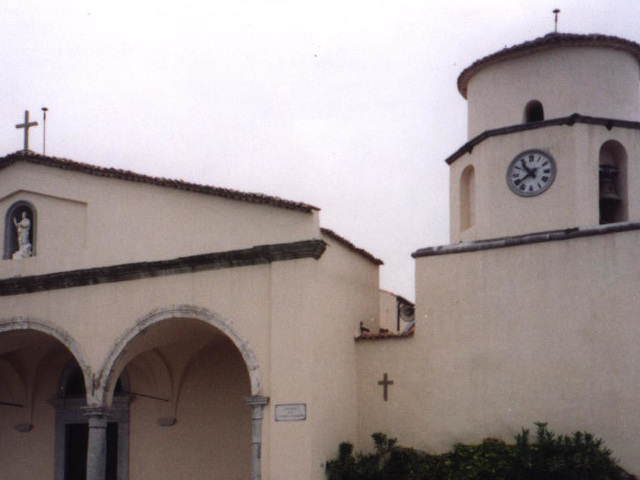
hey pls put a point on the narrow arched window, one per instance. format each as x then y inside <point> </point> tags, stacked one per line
<point>467,198</point>
<point>533,112</point>
<point>612,183</point>
<point>20,231</point>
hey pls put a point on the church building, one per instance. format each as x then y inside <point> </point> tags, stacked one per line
<point>154,328</point>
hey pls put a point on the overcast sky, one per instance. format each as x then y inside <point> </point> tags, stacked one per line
<point>351,106</point>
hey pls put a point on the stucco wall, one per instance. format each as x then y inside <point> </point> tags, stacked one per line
<point>87,221</point>
<point>507,337</point>
<point>297,318</point>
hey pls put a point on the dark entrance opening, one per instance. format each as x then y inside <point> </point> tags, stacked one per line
<point>75,451</point>
<point>72,429</point>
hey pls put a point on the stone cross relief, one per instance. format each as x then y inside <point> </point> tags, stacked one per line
<point>385,382</point>
<point>23,230</point>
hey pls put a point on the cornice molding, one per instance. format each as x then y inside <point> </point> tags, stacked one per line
<point>258,255</point>
<point>571,120</point>
<point>530,238</point>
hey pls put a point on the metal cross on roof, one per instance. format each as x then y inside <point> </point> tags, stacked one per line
<point>26,125</point>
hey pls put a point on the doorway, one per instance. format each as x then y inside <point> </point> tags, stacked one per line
<point>72,429</point>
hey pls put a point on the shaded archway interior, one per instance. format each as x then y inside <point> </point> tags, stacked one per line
<point>31,365</point>
<point>188,382</point>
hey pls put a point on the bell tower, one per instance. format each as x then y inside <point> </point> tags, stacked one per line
<point>553,131</point>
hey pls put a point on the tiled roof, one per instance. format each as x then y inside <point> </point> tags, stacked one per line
<point>65,164</point>
<point>351,246</point>
<point>548,42</point>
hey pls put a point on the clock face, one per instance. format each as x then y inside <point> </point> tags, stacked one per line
<point>531,173</point>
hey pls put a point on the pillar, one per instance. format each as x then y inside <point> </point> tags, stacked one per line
<point>97,448</point>
<point>257,404</point>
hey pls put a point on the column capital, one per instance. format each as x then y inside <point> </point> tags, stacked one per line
<point>98,416</point>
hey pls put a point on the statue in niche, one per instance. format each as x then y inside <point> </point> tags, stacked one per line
<point>23,228</point>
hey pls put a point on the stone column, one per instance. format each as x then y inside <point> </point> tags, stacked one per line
<point>97,448</point>
<point>257,404</point>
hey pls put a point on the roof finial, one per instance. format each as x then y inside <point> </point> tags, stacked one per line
<point>26,125</point>
<point>556,11</point>
<point>44,129</point>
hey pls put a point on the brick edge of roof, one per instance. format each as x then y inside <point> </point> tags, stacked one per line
<point>127,175</point>
<point>547,42</point>
<point>351,246</point>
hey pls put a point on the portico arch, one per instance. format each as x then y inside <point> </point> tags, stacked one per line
<point>191,368</point>
<point>33,355</point>
<point>106,374</point>
<point>30,323</point>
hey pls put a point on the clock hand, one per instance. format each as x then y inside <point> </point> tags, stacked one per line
<point>530,172</point>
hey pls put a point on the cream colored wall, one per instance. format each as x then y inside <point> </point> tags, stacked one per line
<point>87,221</point>
<point>507,337</point>
<point>353,284</point>
<point>297,317</point>
<point>313,357</point>
<point>97,316</point>
<point>388,312</point>
<point>572,200</point>
<point>598,82</point>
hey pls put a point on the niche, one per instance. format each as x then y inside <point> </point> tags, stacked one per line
<point>612,183</point>
<point>20,231</point>
<point>467,197</point>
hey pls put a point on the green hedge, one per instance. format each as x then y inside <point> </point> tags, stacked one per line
<point>579,456</point>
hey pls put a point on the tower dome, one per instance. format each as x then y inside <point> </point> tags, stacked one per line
<point>551,77</point>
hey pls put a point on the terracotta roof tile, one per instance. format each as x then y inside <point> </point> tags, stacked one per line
<point>549,41</point>
<point>351,246</point>
<point>65,164</point>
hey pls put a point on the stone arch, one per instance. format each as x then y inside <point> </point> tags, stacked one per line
<point>106,375</point>
<point>612,182</point>
<point>533,112</point>
<point>29,323</point>
<point>15,212</point>
<point>467,197</point>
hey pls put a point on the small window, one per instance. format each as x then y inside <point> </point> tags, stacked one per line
<point>20,231</point>
<point>612,183</point>
<point>533,112</point>
<point>467,198</point>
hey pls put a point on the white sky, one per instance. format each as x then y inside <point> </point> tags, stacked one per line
<point>351,106</point>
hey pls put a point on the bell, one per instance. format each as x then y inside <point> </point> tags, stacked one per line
<point>608,193</point>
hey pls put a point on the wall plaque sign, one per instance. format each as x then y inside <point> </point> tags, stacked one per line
<point>291,412</point>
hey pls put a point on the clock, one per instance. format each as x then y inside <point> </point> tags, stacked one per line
<point>531,172</point>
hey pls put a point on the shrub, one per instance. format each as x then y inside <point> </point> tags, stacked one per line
<point>579,456</point>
